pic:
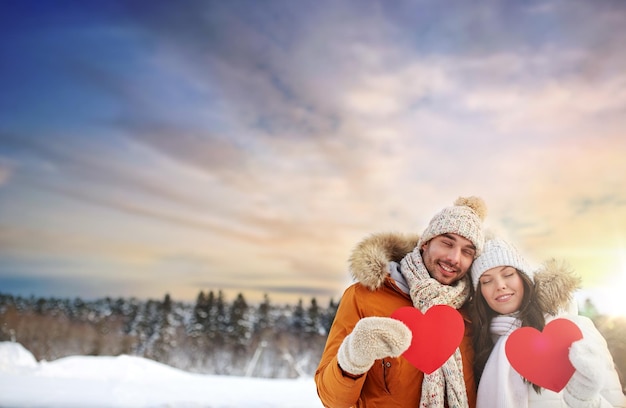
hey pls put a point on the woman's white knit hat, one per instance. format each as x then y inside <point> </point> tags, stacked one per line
<point>465,218</point>
<point>498,252</point>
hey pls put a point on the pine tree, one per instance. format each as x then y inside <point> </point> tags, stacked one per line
<point>298,319</point>
<point>148,324</point>
<point>167,304</point>
<point>79,309</point>
<point>164,340</point>
<point>212,325</point>
<point>328,316</point>
<point>263,315</point>
<point>238,324</point>
<point>313,318</point>
<point>200,317</point>
<point>131,316</point>
<point>218,319</point>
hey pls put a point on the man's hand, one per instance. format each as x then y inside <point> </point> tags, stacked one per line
<point>373,338</point>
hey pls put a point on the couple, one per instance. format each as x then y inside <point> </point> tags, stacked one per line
<point>493,288</point>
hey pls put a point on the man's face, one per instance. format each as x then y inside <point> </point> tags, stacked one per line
<point>448,257</point>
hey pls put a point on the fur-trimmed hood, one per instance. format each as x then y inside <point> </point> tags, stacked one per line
<point>555,282</point>
<point>369,261</point>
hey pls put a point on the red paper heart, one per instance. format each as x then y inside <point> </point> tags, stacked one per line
<point>543,357</point>
<point>436,334</point>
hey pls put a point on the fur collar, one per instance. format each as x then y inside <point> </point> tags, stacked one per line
<point>369,260</point>
<point>555,282</point>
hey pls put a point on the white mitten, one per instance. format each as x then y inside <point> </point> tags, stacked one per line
<point>371,339</point>
<point>583,389</point>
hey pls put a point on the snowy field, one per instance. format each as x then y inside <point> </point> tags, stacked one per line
<point>125,381</point>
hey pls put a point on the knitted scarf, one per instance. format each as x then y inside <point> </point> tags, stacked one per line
<point>500,385</point>
<point>447,381</point>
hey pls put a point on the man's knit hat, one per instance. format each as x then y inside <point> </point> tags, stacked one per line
<point>498,252</point>
<point>464,218</point>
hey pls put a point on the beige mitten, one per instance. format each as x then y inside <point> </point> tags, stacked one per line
<point>371,339</point>
<point>583,389</point>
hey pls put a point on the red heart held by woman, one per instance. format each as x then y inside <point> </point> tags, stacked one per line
<point>436,334</point>
<point>543,357</point>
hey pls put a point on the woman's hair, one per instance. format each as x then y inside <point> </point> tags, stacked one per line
<point>481,314</point>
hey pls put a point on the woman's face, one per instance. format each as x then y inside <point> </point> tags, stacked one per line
<point>503,289</point>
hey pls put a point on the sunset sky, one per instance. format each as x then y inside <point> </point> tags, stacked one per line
<point>153,147</point>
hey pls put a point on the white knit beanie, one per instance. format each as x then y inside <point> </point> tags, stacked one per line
<point>465,218</point>
<point>498,252</point>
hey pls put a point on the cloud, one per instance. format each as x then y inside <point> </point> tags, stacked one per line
<point>6,169</point>
<point>227,142</point>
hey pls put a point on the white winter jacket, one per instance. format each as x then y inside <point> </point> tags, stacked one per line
<point>555,284</point>
<point>611,394</point>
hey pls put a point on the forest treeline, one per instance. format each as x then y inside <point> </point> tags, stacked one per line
<point>211,336</point>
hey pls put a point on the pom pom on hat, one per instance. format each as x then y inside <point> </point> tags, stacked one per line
<point>498,252</point>
<point>464,218</point>
<point>475,203</point>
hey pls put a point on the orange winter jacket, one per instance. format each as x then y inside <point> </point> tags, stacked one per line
<point>391,382</point>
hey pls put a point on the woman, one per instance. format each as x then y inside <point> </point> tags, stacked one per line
<point>510,294</point>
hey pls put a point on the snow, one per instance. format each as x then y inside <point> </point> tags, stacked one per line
<point>126,381</point>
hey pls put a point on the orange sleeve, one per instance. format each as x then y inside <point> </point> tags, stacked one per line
<point>333,388</point>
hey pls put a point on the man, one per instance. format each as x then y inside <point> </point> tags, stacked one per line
<point>360,365</point>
